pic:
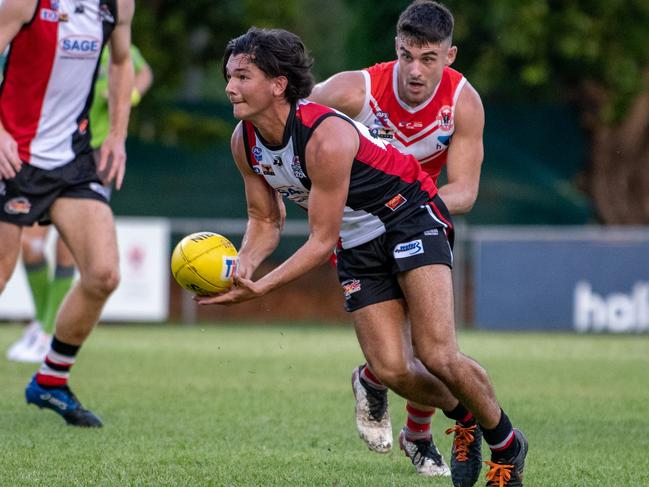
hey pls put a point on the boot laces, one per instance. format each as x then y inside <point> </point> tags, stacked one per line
<point>464,438</point>
<point>499,474</point>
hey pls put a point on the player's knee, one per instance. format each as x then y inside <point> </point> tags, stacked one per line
<point>442,364</point>
<point>101,281</point>
<point>394,374</point>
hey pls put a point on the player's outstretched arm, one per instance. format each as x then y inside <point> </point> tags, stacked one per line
<point>266,213</point>
<point>344,91</point>
<point>465,153</point>
<point>329,156</point>
<point>13,14</point>
<point>120,87</point>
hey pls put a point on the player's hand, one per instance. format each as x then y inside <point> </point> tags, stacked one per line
<point>112,160</point>
<point>10,163</point>
<point>242,290</point>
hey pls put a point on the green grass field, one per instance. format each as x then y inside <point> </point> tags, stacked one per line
<point>272,405</point>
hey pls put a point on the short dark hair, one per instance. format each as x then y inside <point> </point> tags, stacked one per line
<point>276,52</point>
<point>425,21</point>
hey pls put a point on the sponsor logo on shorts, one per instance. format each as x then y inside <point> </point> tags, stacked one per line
<point>350,286</point>
<point>408,249</point>
<point>99,189</point>
<point>229,268</point>
<point>396,202</point>
<point>433,231</point>
<point>19,205</point>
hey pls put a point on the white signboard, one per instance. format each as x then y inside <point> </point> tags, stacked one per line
<point>143,293</point>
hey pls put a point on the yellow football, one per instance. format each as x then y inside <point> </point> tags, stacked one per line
<point>204,263</point>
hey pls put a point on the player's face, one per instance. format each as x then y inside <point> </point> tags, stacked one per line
<point>421,68</point>
<point>250,91</point>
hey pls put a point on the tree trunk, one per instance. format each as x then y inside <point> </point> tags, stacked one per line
<point>618,173</point>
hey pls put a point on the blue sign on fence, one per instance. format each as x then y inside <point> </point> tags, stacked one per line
<point>588,281</point>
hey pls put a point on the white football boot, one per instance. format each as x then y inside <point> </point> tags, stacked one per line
<point>35,353</point>
<point>29,336</point>
<point>424,456</point>
<point>372,415</point>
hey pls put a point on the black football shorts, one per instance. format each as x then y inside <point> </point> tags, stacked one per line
<point>368,272</point>
<point>27,197</point>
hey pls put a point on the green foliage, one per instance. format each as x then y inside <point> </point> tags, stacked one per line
<point>245,406</point>
<point>531,49</point>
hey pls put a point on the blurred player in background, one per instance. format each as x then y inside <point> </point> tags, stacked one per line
<point>47,168</point>
<point>382,211</point>
<point>48,289</point>
<point>425,108</point>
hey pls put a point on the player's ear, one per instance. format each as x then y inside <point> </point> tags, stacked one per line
<point>279,85</point>
<point>451,55</point>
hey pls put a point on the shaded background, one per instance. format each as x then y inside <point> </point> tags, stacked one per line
<point>564,86</point>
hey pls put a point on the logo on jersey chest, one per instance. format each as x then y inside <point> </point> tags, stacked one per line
<point>104,14</point>
<point>396,202</point>
<point>411,125</point>
<point>80,46</point>
<point>380,129</point>
<point>445,118</point>
<point>296,167</point>
<point>49,15</point>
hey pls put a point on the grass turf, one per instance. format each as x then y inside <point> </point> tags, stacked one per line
<point>272,405</point>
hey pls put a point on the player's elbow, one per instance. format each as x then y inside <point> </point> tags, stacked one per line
<point>323,247</point>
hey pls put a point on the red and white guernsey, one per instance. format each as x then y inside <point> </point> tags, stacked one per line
<point>423,131</point>
<point>385,185</point>
<point>49,78</point>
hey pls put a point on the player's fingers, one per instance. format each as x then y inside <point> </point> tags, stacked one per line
<point>103,159</point>
<point>117,162</point>
<point>6,169</point>
<point>14,159</point>
<point>119,177</point>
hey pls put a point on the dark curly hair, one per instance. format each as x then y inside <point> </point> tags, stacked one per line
<point>276,52</point>
<point>424,22</point>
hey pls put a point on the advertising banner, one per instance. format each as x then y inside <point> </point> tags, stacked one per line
<point>143,293</point>
<point>586,280</point>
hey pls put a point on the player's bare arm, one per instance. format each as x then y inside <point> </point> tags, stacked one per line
<point>343,91</point>
<point>329,156</point>
<point>465,153</point>
<point>13,14</point>
<point>120,87</point>
<point>266,213</point>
